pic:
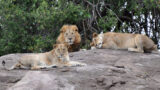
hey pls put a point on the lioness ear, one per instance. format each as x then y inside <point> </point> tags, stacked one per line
<point>66,45</point>
<point>75,28</point>
<point>63,28</point>
<point>94,34</point>
<point>91,44</point>
<point>54,46</point>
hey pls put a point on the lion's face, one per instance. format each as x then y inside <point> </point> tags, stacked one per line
<point>97,40</point>
<point>69,32</point>
<point>61,50</point>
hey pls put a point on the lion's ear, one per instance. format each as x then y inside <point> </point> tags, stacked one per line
<point>75,28</point>
<point>54,46</point>
<point>66,45</point>
<point>94,34</point>
<point>91,44</point>
<point>63,28</point>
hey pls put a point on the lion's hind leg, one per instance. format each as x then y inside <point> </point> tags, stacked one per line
<point>139,45</point>
<point>36,67</point>
<point>18,65</point>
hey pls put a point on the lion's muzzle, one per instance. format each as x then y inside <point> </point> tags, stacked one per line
<point>99,45</point>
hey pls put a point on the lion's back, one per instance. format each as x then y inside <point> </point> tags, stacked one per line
<point>30,59</point>
<point>122,40</point>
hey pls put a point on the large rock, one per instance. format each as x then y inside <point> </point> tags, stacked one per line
<point>106,70</point>
<point>37,80</point>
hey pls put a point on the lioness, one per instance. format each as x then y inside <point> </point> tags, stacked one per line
<point>132,42</point>
<point>57,57</point>
<point>69,34</point>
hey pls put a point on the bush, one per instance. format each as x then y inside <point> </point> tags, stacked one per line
<point>108,22</point>
<point>33,25</point>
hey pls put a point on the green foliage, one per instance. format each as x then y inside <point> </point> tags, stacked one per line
<point>107,22</point>
<point>33,25</point>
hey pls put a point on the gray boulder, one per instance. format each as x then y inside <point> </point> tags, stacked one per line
<point>106,70</point>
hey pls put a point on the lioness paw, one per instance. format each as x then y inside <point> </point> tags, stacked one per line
<point>83,49</point>
<point>131,49</point>
<point>92,48</point>
<point>43,67</point>
<point>83,64</point>
<point>135,50</point>
<point>79,64</point>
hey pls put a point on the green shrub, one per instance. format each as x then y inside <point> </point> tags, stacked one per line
<point>33,25</point>
<point>107,22</point>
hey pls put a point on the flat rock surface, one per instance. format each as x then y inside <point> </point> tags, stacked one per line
<point>106,70</point>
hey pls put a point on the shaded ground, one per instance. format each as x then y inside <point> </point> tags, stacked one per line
<point>105,70</point>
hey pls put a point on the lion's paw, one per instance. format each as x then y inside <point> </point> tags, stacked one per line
<point>43,67</point>
<point>92,48</point>
<point>131,49</point>
<point>80,64</point>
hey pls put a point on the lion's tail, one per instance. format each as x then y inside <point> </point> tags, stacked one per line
<point>4,65</point>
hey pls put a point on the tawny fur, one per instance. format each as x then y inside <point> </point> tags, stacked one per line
<point>132,42</point>
<point>70,31</point>
<point>57,57</point>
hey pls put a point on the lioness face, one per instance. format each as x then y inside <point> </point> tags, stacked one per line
<point>69,33</point>
<point>97,40</point>
<point>61,51</point>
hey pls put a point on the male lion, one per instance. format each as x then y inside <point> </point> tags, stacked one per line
<point>58,57</point>
<point>132,42</point>
<point>69,34</point>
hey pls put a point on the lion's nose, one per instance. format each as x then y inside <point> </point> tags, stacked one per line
<point>70,38</point>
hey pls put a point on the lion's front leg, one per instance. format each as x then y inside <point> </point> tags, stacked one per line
<point>75,63</point>
<point>52,66</point>
<point>35,67</point>
<point>18,65</point>
<point>110,45</point>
